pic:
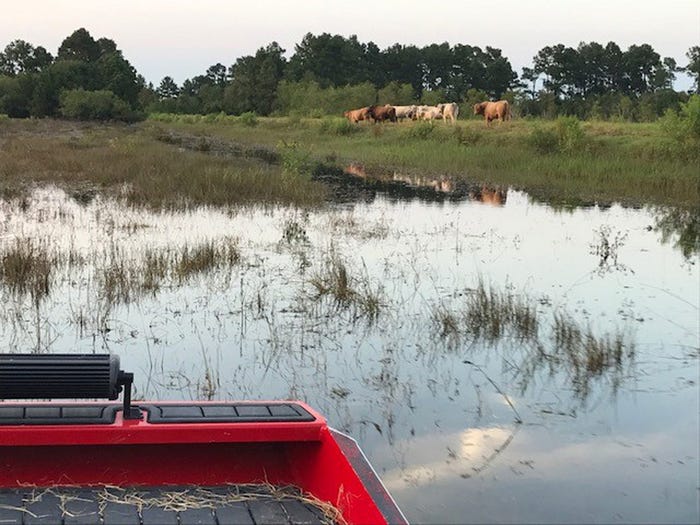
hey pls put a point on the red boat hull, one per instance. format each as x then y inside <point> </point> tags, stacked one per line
<point>307,454</point>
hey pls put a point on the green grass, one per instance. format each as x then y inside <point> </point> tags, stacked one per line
<point>133,163</point>
<point>217,159</point>
<point>606,161</point>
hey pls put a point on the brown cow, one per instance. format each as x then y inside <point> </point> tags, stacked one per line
<point>356,115</point>
<point>382,113</point>
<point>495,196</point>
<point>493,110</point>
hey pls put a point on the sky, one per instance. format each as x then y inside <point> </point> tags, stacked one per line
<point>182,38</point>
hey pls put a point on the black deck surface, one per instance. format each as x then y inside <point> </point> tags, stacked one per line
<point>229,505</point>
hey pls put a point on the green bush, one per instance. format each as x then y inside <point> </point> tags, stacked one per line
<point>543,140</point>
<point>421,130</point>
<point>566,136</point>
<point>685,125</point>
<point>295,159</point>
<point>466,136</point>
<point>80,104</point>
<point>690,112</point>
<point>570,134</point>
<point>249,118</point>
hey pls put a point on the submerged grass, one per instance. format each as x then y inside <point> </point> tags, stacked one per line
<point>587,356</point>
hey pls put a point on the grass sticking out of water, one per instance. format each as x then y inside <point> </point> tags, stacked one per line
<point>587,356</point>
<point>346,291</point>
<point>122,281</point>
<point>26,267</point>
<point>206,257</point>
<point>491,314</point>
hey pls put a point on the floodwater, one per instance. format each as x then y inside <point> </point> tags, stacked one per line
<point>462,428</point>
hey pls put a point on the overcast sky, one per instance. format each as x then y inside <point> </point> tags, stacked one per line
<point>181,38</point>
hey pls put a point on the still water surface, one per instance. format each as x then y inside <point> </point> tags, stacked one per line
<point>436,413</point>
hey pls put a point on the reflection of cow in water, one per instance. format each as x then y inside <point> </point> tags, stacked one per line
<point>493,195</point>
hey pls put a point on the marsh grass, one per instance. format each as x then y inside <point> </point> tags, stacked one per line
<point>606,249</point>
<point>491,314</point>
<point>192,261</point>
<point>26,267</point>
<point>590,161</point>
<point>587,356</point>
<point>122,281</point>
<point>347,292</point>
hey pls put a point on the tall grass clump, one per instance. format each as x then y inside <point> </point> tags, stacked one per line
<point>337,126</point>
<point>122,280</point>
<point>566,136</point>
<point>587,356</point>
<point>491,314</point>
<point>347,292</point>
<point>26,268</point>
<point>249,118</point>
<point>205,257</point>
<point>421,130</point>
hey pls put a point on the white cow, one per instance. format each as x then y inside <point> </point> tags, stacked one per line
<point>428,113</point>
<point>403,112</point>
<point>449,111</point>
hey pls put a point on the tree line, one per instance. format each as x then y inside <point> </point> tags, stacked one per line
<point>91,79</point>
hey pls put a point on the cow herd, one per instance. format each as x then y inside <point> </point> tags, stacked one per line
<point>447,112</point>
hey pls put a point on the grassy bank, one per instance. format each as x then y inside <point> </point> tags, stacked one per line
<point>241,159</point>
<point>134,162</point>
<point>568,161</point>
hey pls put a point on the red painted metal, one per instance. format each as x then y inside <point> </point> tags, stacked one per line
<point>136,452</point>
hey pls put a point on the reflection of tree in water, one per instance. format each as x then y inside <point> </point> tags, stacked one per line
<point>683,223</point>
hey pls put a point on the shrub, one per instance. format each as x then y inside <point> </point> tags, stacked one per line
<point>543,140</point>
<point>683,126</point>
<point>466,136</point>
<point>249,118</point>
<point>80,104</point>
<point>566,136</point>
<point>570,134</point>
<point>295,159</point>
<point>421,130</point>
<point>690,112</point>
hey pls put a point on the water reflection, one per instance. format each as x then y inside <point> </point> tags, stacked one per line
<point>441,430</point>
<point>355,179</point>
<point>682,227</point>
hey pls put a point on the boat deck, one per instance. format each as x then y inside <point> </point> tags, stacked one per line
<point>176,505</point>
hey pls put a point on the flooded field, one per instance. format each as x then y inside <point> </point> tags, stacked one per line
<point>498,359</point>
